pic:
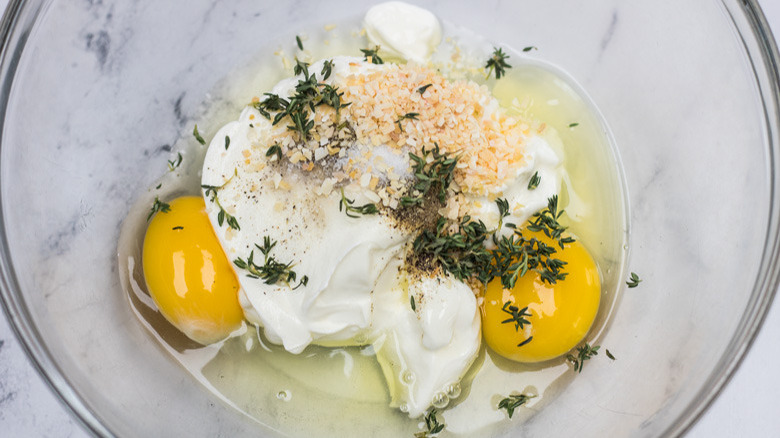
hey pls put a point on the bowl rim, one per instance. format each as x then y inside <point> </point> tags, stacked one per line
<point>765,61</point>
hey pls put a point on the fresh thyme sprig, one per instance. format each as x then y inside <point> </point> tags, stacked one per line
<point>529,48</point>
<point>198,136</point>
<point>354,211</point>
<point>223,215</point>
<point>503,212</point>
<point>409,116</point>
<point>432,424</point>
<point>513,402</point>
<point>516,254</point>
<point>518,318</point>
<point>173,164</point>
<point>298,42</point>
<point>634,280</point>
<point>497,63</point>
<point>158,206</point>
<point>584,352</point>
<point>517,315</point>
<point>327,69</point>
<point>274,150</point>
<point>462,253</point>
<point>373,54</point>
<point>271,271</point>
<point>309,94</point>
<point>438,173</point>
<point>547,222</point>
<point>533,183</point>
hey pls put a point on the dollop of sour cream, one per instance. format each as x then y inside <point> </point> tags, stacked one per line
<point>424,327</point>
<point>403,31</point>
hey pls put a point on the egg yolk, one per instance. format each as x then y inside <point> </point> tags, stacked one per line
<point>188,275</point>
<point>559,314</point>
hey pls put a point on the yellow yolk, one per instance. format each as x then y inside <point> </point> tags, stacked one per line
<point>560,314</point>
<point>188,275</point>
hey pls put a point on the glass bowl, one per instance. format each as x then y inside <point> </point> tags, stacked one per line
<point>93,94</point>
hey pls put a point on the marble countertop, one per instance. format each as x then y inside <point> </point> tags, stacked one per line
<point>747,406</point>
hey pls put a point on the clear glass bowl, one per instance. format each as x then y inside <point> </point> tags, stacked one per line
<point>94,93</point>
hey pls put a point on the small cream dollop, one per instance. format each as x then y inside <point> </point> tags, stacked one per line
<point>403,30</point>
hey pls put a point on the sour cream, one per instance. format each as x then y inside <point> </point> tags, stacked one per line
<point>403,31</point>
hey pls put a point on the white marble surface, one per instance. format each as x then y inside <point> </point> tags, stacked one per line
<point>747,407</point>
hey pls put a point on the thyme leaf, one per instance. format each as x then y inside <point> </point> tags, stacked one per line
<point>198,136</point>
<point>372,55</point>
<point>497,63</point>
<point>634,280</point>
<point>584,352</point>
<point>422,89</point>
<point>158,206</point>
<point>431,424</point>
<point>271,271</point>
<point>533,183</point>
<point>223,216</point>
<point>173,164</point>
<point>513,402</point>
<point>354,211</point>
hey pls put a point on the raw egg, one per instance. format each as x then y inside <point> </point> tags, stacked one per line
<point>188,275</point>
<point>537,321</point>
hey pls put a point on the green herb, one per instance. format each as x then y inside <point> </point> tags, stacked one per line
<point>436,174</point>
<point>518,315</point>
<point>173,164</point>
<point>373,54</point>
<point>178,228</point>
<point>327,69</point>
<point>513,402</point>
<point>298,41</point>
<point>634,280</point>
<point>309,94</point>
<point>354,211</point>
<point>158,186</point>
<point>422,89</point>
<point>301,67</point>
<point>227,142</point>
<point>411,300</point>
<point>271,271</point>
<point>410,116</point>
<point>274,150</point>
<point>530,338</point>
<point>158,206</point>
<point>497,63</point>
<point>503,211</point>
<point>547,222</point>
<point>584,353</point>
<point>462,253</point>
<point>222,216</point>
<point>609,355</point>
<point>432,424</point>
<point>534,181</point>
<point>197,135</point>
<point>573,125</point>
<point>529,48</point>
<point>515,255</point>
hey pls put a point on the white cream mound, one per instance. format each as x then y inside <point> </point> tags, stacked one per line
<point>359,291</point>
